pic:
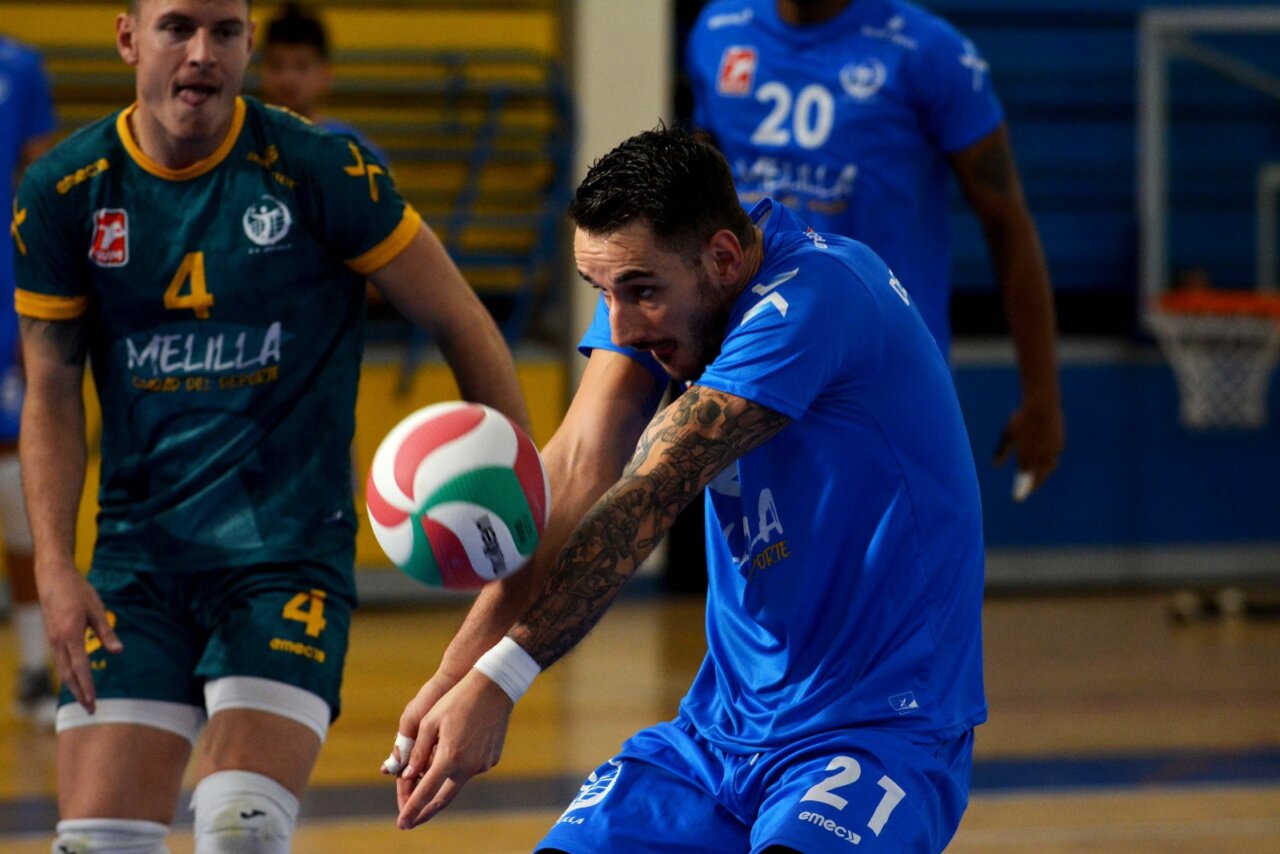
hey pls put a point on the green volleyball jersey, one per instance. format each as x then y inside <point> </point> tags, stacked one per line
<point>224,305</point>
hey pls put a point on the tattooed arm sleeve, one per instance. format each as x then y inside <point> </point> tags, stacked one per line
<point>683,449</point>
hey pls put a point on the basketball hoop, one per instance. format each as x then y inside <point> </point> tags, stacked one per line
<point>1222,346</point>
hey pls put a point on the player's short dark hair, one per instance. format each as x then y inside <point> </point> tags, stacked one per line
<point>674,180</point>
<point>293,24</point>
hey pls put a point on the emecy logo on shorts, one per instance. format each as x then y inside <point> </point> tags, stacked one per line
<point>830,826</point>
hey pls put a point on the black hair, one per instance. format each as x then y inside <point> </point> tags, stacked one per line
<point>293,24</point>
<point>674,180</point>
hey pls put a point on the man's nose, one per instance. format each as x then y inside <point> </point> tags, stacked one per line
<point>200,48</point>
<point>625,325</point>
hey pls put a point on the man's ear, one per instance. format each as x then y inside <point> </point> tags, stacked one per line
<point>727,256</point>
<point>127,37</point>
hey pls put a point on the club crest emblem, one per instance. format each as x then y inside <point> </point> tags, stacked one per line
<point>267,221</point>
<point>862,80</point>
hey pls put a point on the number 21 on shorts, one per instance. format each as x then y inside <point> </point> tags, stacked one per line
<point>847,772</point>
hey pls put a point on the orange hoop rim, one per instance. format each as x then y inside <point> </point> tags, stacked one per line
<point>1235,303</point>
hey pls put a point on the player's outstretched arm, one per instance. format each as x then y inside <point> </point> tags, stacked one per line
<point>54,456</point>
<point>615,400</point>
<point>685,447</point>
<point>988,175</point>
<point>424,285</point>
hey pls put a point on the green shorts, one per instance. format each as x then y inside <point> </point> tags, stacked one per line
<point>284,622</point>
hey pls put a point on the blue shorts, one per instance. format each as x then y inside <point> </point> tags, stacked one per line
<point>670,791</point>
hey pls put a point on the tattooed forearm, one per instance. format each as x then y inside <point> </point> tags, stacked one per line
<point>67,337</point>
<point>687,445</point>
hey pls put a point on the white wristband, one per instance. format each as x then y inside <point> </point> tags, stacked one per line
<point>510,667</point>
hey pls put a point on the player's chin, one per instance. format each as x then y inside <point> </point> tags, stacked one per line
<point>679,371</point>
<point>201,120</point>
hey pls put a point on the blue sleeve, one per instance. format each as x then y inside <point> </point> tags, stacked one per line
<point>794,342</point>
<point>598,337</point>
<point>957,102</point>
<point>37,114</point>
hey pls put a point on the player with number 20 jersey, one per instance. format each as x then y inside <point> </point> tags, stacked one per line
<point>848,122</point>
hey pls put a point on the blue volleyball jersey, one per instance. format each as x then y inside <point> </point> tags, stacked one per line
<point>26,112</point>
<point>848,122</point>
<point>845,554</point>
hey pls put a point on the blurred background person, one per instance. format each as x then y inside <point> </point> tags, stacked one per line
<point>853,112</point>
<point>296,70</point>
<point>26,127</point>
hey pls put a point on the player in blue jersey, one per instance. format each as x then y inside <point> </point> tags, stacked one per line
<point>26,127</point>
<point>206,255</point>
<point>843,678</point>
<point>853,113</point>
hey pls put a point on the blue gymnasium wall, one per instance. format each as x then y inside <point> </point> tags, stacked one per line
<point>1135,489</point>
<point>1131,475</point>
<point>1066,72</point>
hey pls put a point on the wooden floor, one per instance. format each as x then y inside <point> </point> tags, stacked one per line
<point>1111,730</point>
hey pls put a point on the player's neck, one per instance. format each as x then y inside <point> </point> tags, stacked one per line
<point>753,259</point>
<point>168,151</point>
<point>802,14</point>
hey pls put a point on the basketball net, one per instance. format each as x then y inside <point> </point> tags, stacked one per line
<point>1223,347</point>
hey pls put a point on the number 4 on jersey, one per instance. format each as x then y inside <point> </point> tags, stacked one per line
<point>307,608</point>
<point>197,297</point>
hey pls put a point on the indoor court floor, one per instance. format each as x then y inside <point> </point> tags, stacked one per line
<point>1111,729</point>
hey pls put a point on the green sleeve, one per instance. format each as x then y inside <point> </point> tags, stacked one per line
<point>51,249</point>
<point>358,211</point>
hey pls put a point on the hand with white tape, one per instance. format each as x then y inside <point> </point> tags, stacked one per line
<point>399,757</point>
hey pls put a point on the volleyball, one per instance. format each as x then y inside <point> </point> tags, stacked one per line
<point>457,495</point>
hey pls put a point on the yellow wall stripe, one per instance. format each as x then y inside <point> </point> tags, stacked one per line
<point>380,255</point>
<point>45,307</point>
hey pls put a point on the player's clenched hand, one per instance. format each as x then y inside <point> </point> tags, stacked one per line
<point>460,736</point>
<point>1036,435</point>
<point>70,606</point>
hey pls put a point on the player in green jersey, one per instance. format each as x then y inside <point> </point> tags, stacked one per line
<point>208,255</point>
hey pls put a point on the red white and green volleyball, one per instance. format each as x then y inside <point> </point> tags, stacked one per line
<point>457,495</point>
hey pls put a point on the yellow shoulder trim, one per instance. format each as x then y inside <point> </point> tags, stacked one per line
<point>382,254</point>
<point>45,307</point>
<point>195,170</point>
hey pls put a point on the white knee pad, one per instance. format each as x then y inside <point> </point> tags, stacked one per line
<point>110,836</point>
<point>239,812</point>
